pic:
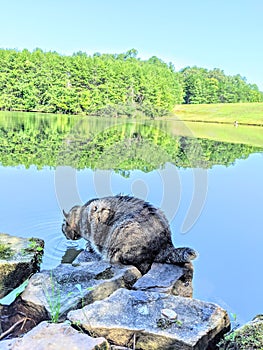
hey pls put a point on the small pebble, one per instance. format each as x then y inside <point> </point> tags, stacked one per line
<point>170,314</point>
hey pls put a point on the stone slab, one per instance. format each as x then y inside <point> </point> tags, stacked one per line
<point>75,286</point>
<point>167,278</point>
<point>52,336</point>
<point>130,317</point>
<point>49,295</point>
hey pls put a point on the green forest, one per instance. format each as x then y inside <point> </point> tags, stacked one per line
<point>111,84</point>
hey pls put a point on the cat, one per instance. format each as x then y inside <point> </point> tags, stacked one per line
<point>127,230</point>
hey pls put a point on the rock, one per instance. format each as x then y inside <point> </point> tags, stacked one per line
<point>249,336</point>
<point>87,255</point>
<point>170,314</point>
<point>51,294</point>
<point>19,258</point>
<point>19,318</point>
<point>75,286</point>
<point>129,316</point>
<point>51,336</point>
<point>167,278</point>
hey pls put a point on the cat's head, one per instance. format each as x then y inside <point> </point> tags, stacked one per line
<point>70,226</point>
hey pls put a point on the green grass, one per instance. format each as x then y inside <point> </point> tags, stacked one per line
<point>216,122</point>
<point>250,135</point>
<point>244,113</point>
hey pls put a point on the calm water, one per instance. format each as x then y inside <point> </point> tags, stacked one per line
<point>211,191</point>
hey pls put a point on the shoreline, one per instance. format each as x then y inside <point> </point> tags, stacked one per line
<point>248,114</point>
<point>175,118</point>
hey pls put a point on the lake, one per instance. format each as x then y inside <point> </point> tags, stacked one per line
<point>207,178</point>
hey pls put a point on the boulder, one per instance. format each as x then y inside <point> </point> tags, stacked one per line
<point>167,278</point>
<point>51,336</point>
<point>51,294</point>
<point>19,259</point>
<point>139,319</point>
<point>249,336</point>
<point>69,287</point>
<point>163,278</point>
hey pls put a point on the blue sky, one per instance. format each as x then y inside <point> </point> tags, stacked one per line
<point>226,34</point>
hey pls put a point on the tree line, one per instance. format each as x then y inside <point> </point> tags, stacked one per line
<point>110,84</point>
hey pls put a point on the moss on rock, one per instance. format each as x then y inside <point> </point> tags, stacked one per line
<point>5,251</point>
<point>249,336</point>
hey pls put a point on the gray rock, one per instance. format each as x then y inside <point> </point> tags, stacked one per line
<point>51,294</point>
<point>19,258</point>
<point>51,336</point>
<point>167,278</point>
<point>129,316</point>
<point>69,287</point>
<point>87,255</point>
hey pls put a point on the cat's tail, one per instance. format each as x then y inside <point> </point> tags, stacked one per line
<point>172,255</point>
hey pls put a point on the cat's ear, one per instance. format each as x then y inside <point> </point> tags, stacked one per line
<point>105,215</point>
<point>65,214</point>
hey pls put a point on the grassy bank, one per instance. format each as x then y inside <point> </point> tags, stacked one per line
<point>216,122</point>
<point>250,135</point>
<point>244,113</point>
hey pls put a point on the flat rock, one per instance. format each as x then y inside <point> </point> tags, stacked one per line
<point>51,336</point>
<point>130,317</point>
<point>75,286</point>
<point>167,278</point>
<point>19,259</point>
<point>51,294</point>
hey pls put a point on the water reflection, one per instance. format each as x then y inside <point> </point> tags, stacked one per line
<point>105,144</point>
